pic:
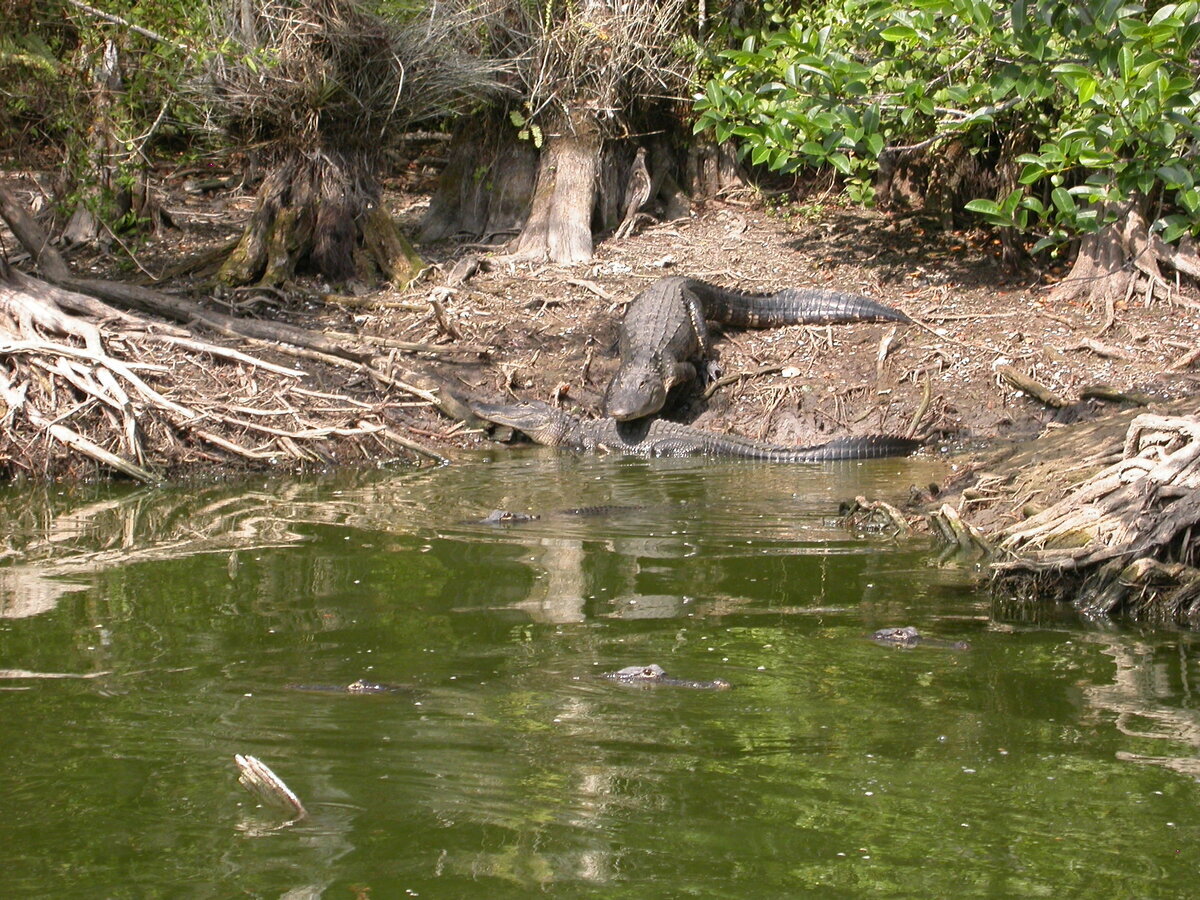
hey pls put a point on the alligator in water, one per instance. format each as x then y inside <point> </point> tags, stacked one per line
<point>652,675</point>
<point>908,636</point>
<point>503,517</point>
<point>664,335</point>
<point>355,687</point>
<point>657,437</point>
<point>508,517</point>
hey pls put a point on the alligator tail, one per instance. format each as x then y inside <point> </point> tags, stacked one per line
<point>792,306</point>
<point>871,446</point>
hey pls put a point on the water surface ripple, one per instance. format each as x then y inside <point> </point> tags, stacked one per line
<point>148,636</point>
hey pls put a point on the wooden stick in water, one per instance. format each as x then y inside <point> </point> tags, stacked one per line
<point>258,779</point>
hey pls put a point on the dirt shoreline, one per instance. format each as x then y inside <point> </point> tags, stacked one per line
<point>550,331</point>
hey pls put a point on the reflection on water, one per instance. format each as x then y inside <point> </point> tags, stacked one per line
<point>1152,700</point>
<point>148,636</point>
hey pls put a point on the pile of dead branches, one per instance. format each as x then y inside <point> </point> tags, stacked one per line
<point>87,386</point>
<point>1125,539</point>
<point>145,398</point>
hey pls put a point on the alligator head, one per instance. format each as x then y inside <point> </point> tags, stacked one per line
<point>506,517</point>
<point>636,390</point>
<point>901,637</point>
<point>541,422</point>
<point>654,674</point>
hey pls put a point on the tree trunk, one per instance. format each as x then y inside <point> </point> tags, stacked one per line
<point>495,183</point>
<point>1122,258</point>
<point>314,212</point>
<point>713,169</point>
<point>560,222</point>
<point>487,185</point>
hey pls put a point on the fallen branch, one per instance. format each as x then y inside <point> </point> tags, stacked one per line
<point>1027,385</point>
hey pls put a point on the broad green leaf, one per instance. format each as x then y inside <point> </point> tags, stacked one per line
<point>1166,11</point>
<point>984,207</point>
<point>897,33</point>
<point>1174,175</point>
<point>840,162</point>
<point>1125,60</point>
<point>1063,200</point>
<point>1010,203</point>
<point>1175,227</point>
<point>1031,173</point>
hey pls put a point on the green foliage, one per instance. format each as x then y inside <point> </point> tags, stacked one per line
<point>31,75</point>
<point>1105,90</point>
<point>526,130</point>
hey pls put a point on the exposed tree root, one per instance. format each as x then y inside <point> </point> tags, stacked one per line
<point>321,211</point>
<point>1122,260</point>
<point>1123,540</point>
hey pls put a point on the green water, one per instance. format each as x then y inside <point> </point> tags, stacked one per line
<point>1054,758</point>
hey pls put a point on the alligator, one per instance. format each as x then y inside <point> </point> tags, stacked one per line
<point>355,687</point>
<point>503,517</point>
<point>664,335</point>
<point>508,517</point>
<point>908,636</point>
<point>652,675</point>
<point>658,437</point>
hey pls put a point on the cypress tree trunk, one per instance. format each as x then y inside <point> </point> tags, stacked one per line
<point>315,211</point>
<point>560,221</point>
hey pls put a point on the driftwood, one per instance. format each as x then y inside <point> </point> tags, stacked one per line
<point>876,516</point>
<point>256,777</point>
<point>1032,387</point>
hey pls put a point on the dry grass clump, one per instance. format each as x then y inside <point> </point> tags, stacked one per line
<point>604,55</point>
<point>312,72</point>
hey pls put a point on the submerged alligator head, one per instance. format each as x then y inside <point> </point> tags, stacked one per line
<point>907,636</point>
<point>653,674</point>
<point>361,686</point>
<point>504,517</point>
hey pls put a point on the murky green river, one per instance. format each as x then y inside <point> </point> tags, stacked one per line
<point>146,637</point>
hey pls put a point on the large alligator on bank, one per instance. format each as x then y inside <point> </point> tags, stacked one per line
<point>907,636</point>
<point>664,335</point>
<point>652,675</point>
<point>658,437</point>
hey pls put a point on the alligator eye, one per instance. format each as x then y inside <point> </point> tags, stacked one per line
<point>647,672</point>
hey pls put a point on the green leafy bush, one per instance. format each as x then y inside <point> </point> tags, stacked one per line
<point>1105,90</point>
